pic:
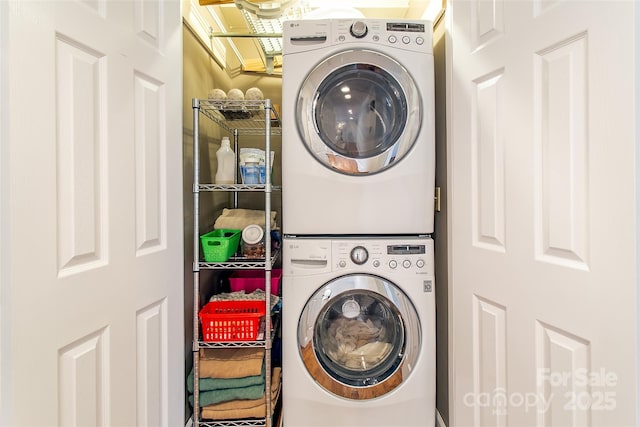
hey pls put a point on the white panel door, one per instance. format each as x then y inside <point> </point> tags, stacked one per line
<point>543,219</point>
<point>93,314</point>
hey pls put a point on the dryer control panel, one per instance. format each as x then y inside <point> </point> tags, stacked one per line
<point>303,35</point>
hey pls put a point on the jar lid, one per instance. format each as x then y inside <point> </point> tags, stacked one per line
<point>252,234</point>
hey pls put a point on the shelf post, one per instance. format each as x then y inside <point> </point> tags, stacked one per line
<point>196,257</point>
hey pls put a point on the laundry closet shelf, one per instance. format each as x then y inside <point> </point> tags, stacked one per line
<point>240,263</point>
<point>259,343</point>
<point>238,118</point>
<point>257,422</point>
<point>250,119</point>
<point>237,187</point>
<point>235,344</point>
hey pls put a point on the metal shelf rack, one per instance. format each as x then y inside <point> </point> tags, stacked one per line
<point>237,118</point>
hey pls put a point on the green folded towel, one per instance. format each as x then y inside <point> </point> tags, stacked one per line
<point>209,384</point>
<point>218,396</point>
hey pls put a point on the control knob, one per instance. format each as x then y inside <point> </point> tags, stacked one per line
<point>358,29</point>
<point>359,255</point>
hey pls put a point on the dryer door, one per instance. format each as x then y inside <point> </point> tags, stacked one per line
<point>359,336</point>
<point>359,112</point>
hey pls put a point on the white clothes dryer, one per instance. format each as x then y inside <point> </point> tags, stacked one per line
<point>358,147</point>
<point>358,332</point>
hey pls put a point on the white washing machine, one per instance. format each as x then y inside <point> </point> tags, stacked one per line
<point>358,332</point>
<point>358,141</point>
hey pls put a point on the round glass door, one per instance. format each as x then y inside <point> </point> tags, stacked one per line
<point>359,112</point>
<point>358,336</point>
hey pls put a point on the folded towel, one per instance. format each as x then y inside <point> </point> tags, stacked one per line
<point>237,409</point>
<point>238,219</point>
<point>231,362</point>
<point>208,384</point>
<point>232,354</point>
<point>241,404</point>
<point>217,396</point>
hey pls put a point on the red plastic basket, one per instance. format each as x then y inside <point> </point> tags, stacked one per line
<point>225,321</point>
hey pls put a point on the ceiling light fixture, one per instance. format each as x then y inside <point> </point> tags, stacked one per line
<point>265,9</point>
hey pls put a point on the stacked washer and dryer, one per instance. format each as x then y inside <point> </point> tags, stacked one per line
<point>358,196</point>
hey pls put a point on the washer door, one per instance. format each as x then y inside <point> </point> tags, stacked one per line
<point>359,336</point>
<point>358,112</point>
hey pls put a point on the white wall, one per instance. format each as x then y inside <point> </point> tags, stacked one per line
<point>441,225</point>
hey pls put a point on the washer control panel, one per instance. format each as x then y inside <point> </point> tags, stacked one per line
<point>412,255</point>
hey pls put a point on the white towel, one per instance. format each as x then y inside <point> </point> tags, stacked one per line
<point>238,219</point>
<point>257,295</point>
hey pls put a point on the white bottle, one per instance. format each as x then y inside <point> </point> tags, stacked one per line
<point>226,163</point>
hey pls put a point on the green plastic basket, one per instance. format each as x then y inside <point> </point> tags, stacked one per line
<point>219,245</point>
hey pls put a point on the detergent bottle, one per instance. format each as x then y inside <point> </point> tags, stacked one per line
<point>226,163</point>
